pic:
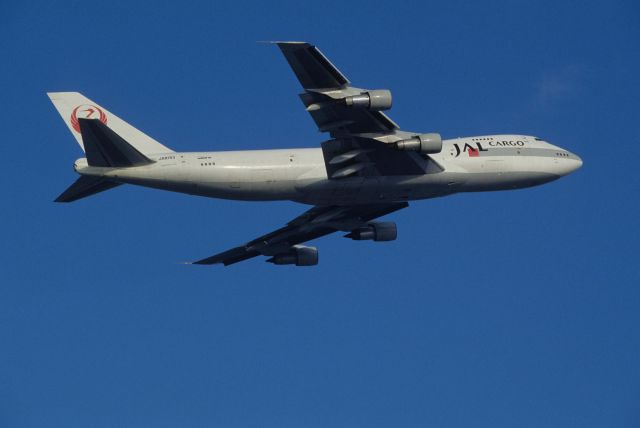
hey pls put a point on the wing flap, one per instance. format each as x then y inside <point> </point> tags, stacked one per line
<point>331,115</point>
<point>369,157</point>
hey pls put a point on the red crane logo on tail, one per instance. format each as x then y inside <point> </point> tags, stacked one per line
<point>86,111</point>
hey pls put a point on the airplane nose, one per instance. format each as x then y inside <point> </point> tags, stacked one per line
<point>579,161</point>
<point>576,162</point>
<point>567,166</point>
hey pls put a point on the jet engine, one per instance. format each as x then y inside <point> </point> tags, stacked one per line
<point>376,100</point>
<point>299,255</point>
<point>376,231</point>
<point>423,143</point>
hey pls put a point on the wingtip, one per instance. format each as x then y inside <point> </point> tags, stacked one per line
<point>197,262</point>
<point>202,262</point>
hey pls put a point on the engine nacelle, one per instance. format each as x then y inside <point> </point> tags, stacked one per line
<point>300,255</point>
<point>376,231</point>
<point>376,100</point>
<point>423,143</point>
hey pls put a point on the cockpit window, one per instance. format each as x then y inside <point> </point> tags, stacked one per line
<point>537,139</point>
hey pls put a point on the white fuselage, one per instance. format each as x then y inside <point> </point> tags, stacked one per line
<point>496,162</point>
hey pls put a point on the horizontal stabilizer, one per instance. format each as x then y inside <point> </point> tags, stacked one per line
<point>85,186</point>
<point>105,148</point>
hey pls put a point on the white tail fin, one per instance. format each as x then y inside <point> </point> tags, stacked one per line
<point>73,106</point>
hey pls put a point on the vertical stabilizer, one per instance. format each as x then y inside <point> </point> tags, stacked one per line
<point>74,106</point>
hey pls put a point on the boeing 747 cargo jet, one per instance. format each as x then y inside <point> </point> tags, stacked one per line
<point>367,168</point>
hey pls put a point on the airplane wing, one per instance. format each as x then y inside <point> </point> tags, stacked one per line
<point>362,136</point>
<point>282,245</point>
<point>324,83</point>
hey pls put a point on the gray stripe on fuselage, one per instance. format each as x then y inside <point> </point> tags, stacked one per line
<point>522,151</point>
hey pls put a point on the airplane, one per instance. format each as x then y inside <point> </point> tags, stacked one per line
<point>366,169</point>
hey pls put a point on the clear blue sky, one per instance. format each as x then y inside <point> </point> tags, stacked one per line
<point>509,309</point>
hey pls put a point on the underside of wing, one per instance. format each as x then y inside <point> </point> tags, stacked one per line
<point>311,67</point>
<point>367,157</point>
<point>334,105</point>
<point>364,140</point>
<point>283,245</point>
